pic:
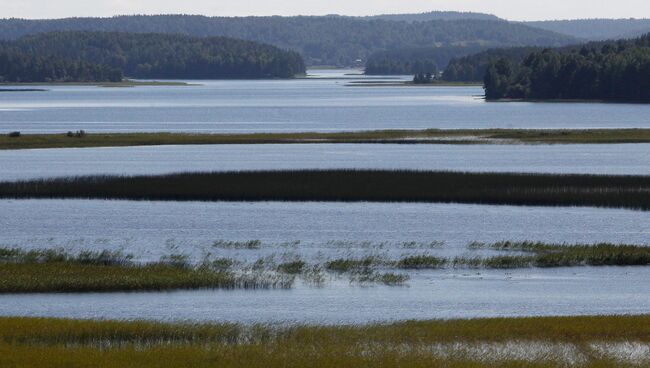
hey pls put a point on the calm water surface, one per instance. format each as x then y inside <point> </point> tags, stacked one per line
<point>631,159</point>
<point>317,104</point>
<point>317,232</point>
<point>432,295</point>
<point>325,230</point>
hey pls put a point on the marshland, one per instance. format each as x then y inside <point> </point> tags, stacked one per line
<point>607,341</point>
<point>351,185</point>
<point>429,136</point>
<point>268,225</point>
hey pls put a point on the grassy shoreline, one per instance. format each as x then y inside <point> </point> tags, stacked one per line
<point>429,136</point>
<point>56,271</point>
<point>631,192</point>
<point>591,341</point>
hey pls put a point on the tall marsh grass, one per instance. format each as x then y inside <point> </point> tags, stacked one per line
<point>503,342</point>
<point>58,271</point>
<point>565,255</point>
<point>351,185</point>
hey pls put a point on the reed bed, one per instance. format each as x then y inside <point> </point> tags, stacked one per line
<point>351,185</point>
<point>54,270</point>
<point>41,271</point>
<point>503,342</point>
<point>428,136</point>
<point>564,255</point>
<point>543,255</point>
<point>421,261</point>
<point>529,254</point>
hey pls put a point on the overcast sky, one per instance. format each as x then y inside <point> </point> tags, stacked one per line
<point>509,9</point>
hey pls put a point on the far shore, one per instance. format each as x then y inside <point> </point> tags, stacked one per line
<point>16,140</point>
<point>365,83</point>
<point>124,83</point>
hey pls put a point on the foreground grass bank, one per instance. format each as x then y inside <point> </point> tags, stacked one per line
<point>41,271</point>
<point>608,341</point>
<point>351,185</point>
<point>429,136</point>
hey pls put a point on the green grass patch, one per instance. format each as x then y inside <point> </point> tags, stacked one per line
<point>352,265</point>
<point>536,254</point>
<point>421,262</point>
<point>563,255</point>
<point>293,267</point>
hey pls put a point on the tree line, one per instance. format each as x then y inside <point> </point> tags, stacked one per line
<point>165,55</point>
<point>607,71</point>
<point>19,67</point>
<point>322,40</point>
<point>472,68</point>
<point>416,60</point>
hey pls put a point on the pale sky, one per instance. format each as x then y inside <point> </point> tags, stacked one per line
<point>509,9</point>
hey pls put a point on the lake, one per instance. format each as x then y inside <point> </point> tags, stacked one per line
<point>618,159</point>
<point>431,295</point>
<point>315,104</point>
<point>150,230</point>
<point>315,231</point>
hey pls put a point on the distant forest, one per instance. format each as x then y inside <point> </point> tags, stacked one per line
<point>322,40</point>
<point>596,29</point>
<point>19,67</point>
<point>434,15</point>
<point>416,60</point>
<point>102,56</point>
<point>616,71</point>
<point>472,68</point>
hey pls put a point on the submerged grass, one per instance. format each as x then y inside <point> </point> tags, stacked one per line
<point>57,271</point>
<point>503,342</point>
<point>428,136</point>
<point>352,185</point>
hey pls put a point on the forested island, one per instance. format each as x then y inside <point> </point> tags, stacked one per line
<point>20,67</point>
<point>82,56</point>
<point>611,71</point>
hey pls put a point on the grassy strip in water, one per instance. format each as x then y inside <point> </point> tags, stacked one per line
<point>421,261</point>
<point>563,255</point>
<point>351,186</point>
<point>58,343</point>
<point>428,136</point>
<point>539,255</point>
<point>57,271</point>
